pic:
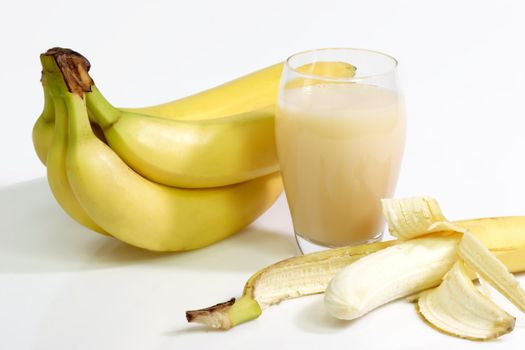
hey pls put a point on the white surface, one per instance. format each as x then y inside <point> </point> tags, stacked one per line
<point>62,287</point>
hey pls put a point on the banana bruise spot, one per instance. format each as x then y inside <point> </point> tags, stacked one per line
<point>74,68</point>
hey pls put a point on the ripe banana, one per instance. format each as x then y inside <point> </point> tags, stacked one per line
<point>456,307</point>
<point>194,153</point>
<point>56,169</point>
<point>309,274</point>
<point>248,93</point>
<point>132,208</point>
<point>44,126</point>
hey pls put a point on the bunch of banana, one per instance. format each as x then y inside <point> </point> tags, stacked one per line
<point>194,180</point>
<point>202,167</point>
<point>436,266</point>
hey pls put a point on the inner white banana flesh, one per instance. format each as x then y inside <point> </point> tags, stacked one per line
<point>389,274</point>
<point>458,308</point>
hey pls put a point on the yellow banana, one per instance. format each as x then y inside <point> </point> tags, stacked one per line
<point>56,170</point>
<point>134,209</point>
<point>248,93</point>
<point>44,126</point>
<point>190,154</point>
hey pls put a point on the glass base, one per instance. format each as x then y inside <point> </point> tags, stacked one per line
<point>307,246</point>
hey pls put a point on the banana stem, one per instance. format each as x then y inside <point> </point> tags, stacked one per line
<point>67,70</point>
<point>79,125</point>
<point>228,314</point>
<point>103,113</point>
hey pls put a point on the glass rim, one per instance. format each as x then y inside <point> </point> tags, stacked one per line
<point>391,58</point>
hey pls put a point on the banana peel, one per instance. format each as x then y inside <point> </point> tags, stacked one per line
<point>458,308</point>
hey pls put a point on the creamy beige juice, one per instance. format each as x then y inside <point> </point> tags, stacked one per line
<point>340,149</point>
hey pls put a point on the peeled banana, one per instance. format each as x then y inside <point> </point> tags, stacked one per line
<point>127,205</point>
<point>309,274</point>
<point>455,306</point>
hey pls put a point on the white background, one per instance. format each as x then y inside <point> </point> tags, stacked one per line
<point>462,66</point>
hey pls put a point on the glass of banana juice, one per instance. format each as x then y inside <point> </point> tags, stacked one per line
<point>340,133</point>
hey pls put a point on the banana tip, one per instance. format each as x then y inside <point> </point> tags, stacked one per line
<point>214,316</point>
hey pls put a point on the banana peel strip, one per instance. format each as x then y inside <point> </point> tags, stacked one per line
<point>456,307</point>
<point>415,216</point>
<point>492,270</point>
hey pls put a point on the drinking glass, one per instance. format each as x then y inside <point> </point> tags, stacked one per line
<point>340,133</point>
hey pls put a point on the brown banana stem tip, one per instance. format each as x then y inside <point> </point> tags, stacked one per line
<point>74,68</point>
<point>194,315</point>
